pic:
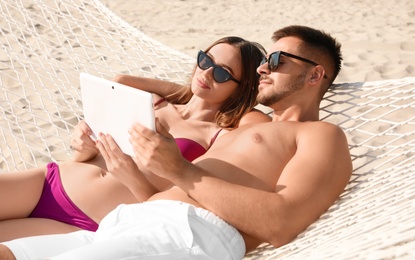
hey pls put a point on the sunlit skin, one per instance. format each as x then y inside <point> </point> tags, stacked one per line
<point>96,185</point>
<point>268,180</point>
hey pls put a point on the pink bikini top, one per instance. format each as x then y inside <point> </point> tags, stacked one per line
<point>190,149</point>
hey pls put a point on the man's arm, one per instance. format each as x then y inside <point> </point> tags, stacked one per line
<point>159,87</point>
<point>309,184</point>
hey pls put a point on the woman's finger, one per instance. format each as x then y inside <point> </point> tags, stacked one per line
<point>113,149</point>
<point>102,150</point>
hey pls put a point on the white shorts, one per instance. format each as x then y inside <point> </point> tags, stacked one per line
<point>151,230</point>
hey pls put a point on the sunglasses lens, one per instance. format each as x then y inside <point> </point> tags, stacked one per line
<point>273,61</point>
<point>203,61</point>
<point>220,75</point>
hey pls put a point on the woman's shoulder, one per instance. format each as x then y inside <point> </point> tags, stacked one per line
<point>158,100</point>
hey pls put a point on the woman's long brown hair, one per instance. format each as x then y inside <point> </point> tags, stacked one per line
<point>244,98</point>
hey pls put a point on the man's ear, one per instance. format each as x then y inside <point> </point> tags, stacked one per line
<point>317,74</point>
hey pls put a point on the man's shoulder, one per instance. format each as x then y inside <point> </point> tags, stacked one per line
<point>304,130</point>
<point>308,125</point>
<point>314,129</point>
<point>324,127</point>
<point>322,124</point>
<point>320,132</point>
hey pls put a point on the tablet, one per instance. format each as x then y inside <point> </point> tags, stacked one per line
<point>111,108</point>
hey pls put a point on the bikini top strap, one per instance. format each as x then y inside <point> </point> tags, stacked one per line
<point>214,138</point>
<point>158,102</point>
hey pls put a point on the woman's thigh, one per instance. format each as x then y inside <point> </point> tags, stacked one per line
<point>17,228</point>
<point>20,192</point>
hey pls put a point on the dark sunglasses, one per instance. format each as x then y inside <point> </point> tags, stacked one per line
<point>220,75</point>
<point>274,59</point>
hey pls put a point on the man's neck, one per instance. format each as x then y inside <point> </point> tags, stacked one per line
<point>296,113</point>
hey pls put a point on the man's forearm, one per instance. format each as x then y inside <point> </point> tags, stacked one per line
<point>156,86</point>
<point>249,210</point>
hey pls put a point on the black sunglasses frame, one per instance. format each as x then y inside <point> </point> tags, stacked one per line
<point>277,60</point>
<point>201,55</point>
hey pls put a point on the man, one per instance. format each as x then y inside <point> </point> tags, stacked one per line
<point>264,182</point>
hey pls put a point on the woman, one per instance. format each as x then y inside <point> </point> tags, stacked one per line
<point>78,194</point>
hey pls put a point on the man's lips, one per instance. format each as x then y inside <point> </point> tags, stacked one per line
<point>265,82</point>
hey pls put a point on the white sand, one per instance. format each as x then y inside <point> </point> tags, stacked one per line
<point>378,36</point>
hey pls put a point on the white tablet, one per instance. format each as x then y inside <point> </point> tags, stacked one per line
<point>112,108</point>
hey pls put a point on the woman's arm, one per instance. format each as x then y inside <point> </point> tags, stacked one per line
<point>82,144</point>
<point>157,86</point>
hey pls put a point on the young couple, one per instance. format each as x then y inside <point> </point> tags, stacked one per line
<point>260,182</point>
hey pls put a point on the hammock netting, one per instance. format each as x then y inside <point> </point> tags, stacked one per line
<point>45,44</point>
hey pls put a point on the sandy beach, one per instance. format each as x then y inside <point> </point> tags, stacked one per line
<point>378,37</point>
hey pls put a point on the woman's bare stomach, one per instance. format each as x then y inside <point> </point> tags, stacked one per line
<point>95,191</point>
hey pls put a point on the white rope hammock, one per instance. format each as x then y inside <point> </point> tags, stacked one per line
<point>44,45</point>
